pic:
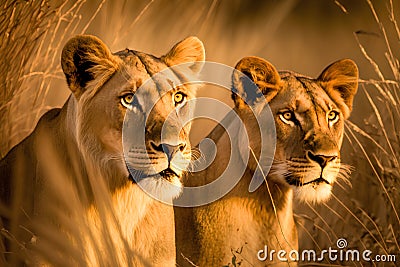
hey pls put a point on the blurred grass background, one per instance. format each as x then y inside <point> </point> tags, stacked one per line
<point>303,36</point>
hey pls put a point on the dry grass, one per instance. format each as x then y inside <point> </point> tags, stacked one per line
<point>368,213</point>
<point>383,126</point>
<point>33,34</point>
<point>22,25</point>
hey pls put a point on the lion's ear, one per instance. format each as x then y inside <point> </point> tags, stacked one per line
<point>260,72</point>
<point>340,81</point>
<point>189,50</point>
<point>84,59</point>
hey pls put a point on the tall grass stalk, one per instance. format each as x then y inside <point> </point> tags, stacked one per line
<point>33,34</point>
<point>378,140</point>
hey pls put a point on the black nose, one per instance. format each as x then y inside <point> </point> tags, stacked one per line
<point>322,160</point>
<point>169,150</point>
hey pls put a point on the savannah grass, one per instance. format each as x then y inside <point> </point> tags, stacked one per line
<point>375,144</point>
<point>379,141</point>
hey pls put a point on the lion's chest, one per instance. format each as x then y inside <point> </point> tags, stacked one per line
<point>136,223</point>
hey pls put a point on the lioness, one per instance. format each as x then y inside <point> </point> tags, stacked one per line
<point>68,197</point>
<point>309,117</point>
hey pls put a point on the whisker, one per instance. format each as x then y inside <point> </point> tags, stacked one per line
<point>344,173</point>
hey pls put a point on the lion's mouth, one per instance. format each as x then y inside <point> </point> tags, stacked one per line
<point>167,174</point>
<point>296,182</point>
<point>318,181</point>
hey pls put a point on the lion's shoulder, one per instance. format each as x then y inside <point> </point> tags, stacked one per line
<point>50,119</point>
<point>22,160</point>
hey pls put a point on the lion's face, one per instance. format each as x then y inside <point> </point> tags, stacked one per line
<point>122,83</point>
<point>309,118</point>
<point>309,129</point>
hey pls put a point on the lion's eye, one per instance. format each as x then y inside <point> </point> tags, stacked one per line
<point>179,98</point>
<point>332,117</point>
<point>127,100</point>
<point>287,117</point>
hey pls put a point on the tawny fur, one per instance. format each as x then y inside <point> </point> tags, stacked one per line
<point>67,199</point>
<point>242,223</point>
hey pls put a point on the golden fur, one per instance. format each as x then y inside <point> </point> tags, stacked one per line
<point>309,117</point>
<point>67,195</point>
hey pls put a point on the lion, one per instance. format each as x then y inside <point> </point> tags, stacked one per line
<point>309,117</point>
<point>69,195</point>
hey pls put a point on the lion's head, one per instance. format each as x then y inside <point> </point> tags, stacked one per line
<point>309,118</point>
<point>105,87</point>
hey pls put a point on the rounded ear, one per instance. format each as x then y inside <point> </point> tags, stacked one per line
<point>85,59</point>
<point>340,81</point>
<point>188,50</point>
<point>260,72</point>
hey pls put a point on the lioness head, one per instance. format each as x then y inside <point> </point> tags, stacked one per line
<point>309,118</point>
<point>104,87</point>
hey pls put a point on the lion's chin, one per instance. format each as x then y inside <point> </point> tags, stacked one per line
<point>164,186</point>
<point>313,193</point>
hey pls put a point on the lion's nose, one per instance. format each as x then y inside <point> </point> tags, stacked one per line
<point>322,160</point>
<point>169,150</point>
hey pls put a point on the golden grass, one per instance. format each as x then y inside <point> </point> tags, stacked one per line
<point>373,224</point>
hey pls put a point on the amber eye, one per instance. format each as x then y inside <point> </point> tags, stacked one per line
<point>332,116</point>
<point>127,100</point>
<point>287,115</point>
<point>179,98</point>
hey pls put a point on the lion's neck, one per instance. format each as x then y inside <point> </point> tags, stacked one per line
<point>135,223</point>
<point>71,117</point>
<point>64,139</point>
<point>243,219</point>
<point>245,222</point>
<point>263,215</point>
